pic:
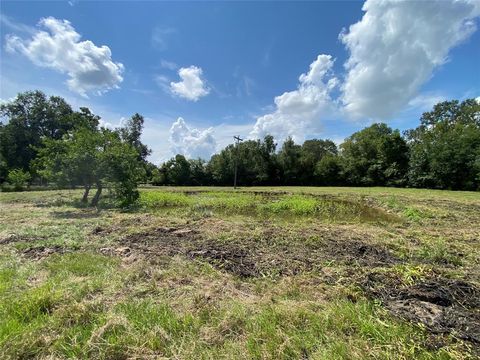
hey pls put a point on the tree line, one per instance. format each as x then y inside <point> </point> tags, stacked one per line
<point>44,141</point>
<point>443,152</point>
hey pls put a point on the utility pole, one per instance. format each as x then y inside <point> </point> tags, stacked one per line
<point>237,141</point>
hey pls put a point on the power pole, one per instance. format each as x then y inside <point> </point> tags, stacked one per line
<point>237,141</point>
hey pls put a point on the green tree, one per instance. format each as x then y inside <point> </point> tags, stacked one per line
<point>121,167</point>
<point>289,161</point>
<point>3,169</point>
<point>256,163</point>
<point>18,178</point>
<point>328,171</point>
<point>177,171</point>
<point>375,156</point>
<point>221,166</point>
<point>31,117</point>
<point>445,148</point>
<point>312,152</point>
<point>131,132</point>
<point>199,174</point>
<point>93,158</point>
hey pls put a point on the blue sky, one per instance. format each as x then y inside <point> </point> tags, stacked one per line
<point>227,68</point>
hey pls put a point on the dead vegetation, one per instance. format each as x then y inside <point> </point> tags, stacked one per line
<point>441,305</point>
<point>253,257</point>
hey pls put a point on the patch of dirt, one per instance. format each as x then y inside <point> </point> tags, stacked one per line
<point>442,305</point>
<point>15,238</point>
<point>40,252</point>
<point>247,257</point>
<point>160,241</point>
<point>78,214</point>
<point>233,260</point>
<point>358,252</point>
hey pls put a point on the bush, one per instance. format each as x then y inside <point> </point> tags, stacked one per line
<point>18,179</point>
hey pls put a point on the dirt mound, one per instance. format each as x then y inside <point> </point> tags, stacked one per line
<point>442,305</point>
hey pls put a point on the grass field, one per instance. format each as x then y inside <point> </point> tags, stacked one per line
<point>257,273</point>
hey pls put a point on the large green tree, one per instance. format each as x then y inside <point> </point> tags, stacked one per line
<point>131,132</point>
<point>328,171</point>
<point>92,158</point>
<point>445,148</point>
<point>31,118</point>
<point>176,171</point>
<point>375,156</point>
<point>28,118</point>
<point>289,159</point>
<point>311,153</point>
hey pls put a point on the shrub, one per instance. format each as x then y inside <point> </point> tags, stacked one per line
<point>18,179</point>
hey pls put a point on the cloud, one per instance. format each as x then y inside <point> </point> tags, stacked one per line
<point>245,84</point>
<point>299,110</point>
<point>192,86</point>
<point>395,48</point>
<point>163,82</point>
<point>90,68</point>
<point>170,65</point>
<point>426,102</point>
<point>11,24</point>
<point>112,124</point>
<point>160,36</point>
<point>193,143</point>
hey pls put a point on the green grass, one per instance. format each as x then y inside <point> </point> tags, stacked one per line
<point>89,303</point>
<point>207,203</point>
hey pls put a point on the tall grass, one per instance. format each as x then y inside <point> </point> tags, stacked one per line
<point>249,203</point>
<point>159,199</point>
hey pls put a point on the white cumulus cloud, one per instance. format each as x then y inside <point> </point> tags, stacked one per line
<point>296,111</point>
<point>90,68</point>
<point>193,143</point>
<point>191,86</point>
<point>395,48</point>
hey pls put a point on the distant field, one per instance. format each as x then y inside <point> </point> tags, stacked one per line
<point>256,273</point>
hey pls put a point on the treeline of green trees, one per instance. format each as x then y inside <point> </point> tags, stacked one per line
<point>443,152</point>
<point>44,141</point>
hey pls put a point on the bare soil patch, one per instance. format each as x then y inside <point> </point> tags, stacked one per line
<point>250,257</point>
<point>77,214</point>
<point>442,305</point>
<point>40,252</point>
<point>15,238</point>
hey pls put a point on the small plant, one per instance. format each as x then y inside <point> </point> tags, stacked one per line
<point>413,214</point>
<point>410,274</point>
<point>18,179</point>
<point>437,251</point>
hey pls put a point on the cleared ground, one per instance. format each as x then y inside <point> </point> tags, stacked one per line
<point>263,273</point>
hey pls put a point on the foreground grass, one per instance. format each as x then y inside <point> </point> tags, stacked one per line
<point>69,287</point>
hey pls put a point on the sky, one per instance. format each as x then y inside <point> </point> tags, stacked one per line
<point>202,72</point>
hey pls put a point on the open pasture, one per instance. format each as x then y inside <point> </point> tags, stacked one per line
<point>256,273</point>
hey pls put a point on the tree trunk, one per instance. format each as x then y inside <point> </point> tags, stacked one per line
<point>85,194</point>
<point>97,195</point>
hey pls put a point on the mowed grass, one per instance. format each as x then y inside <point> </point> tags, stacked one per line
<point>67,290</point>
